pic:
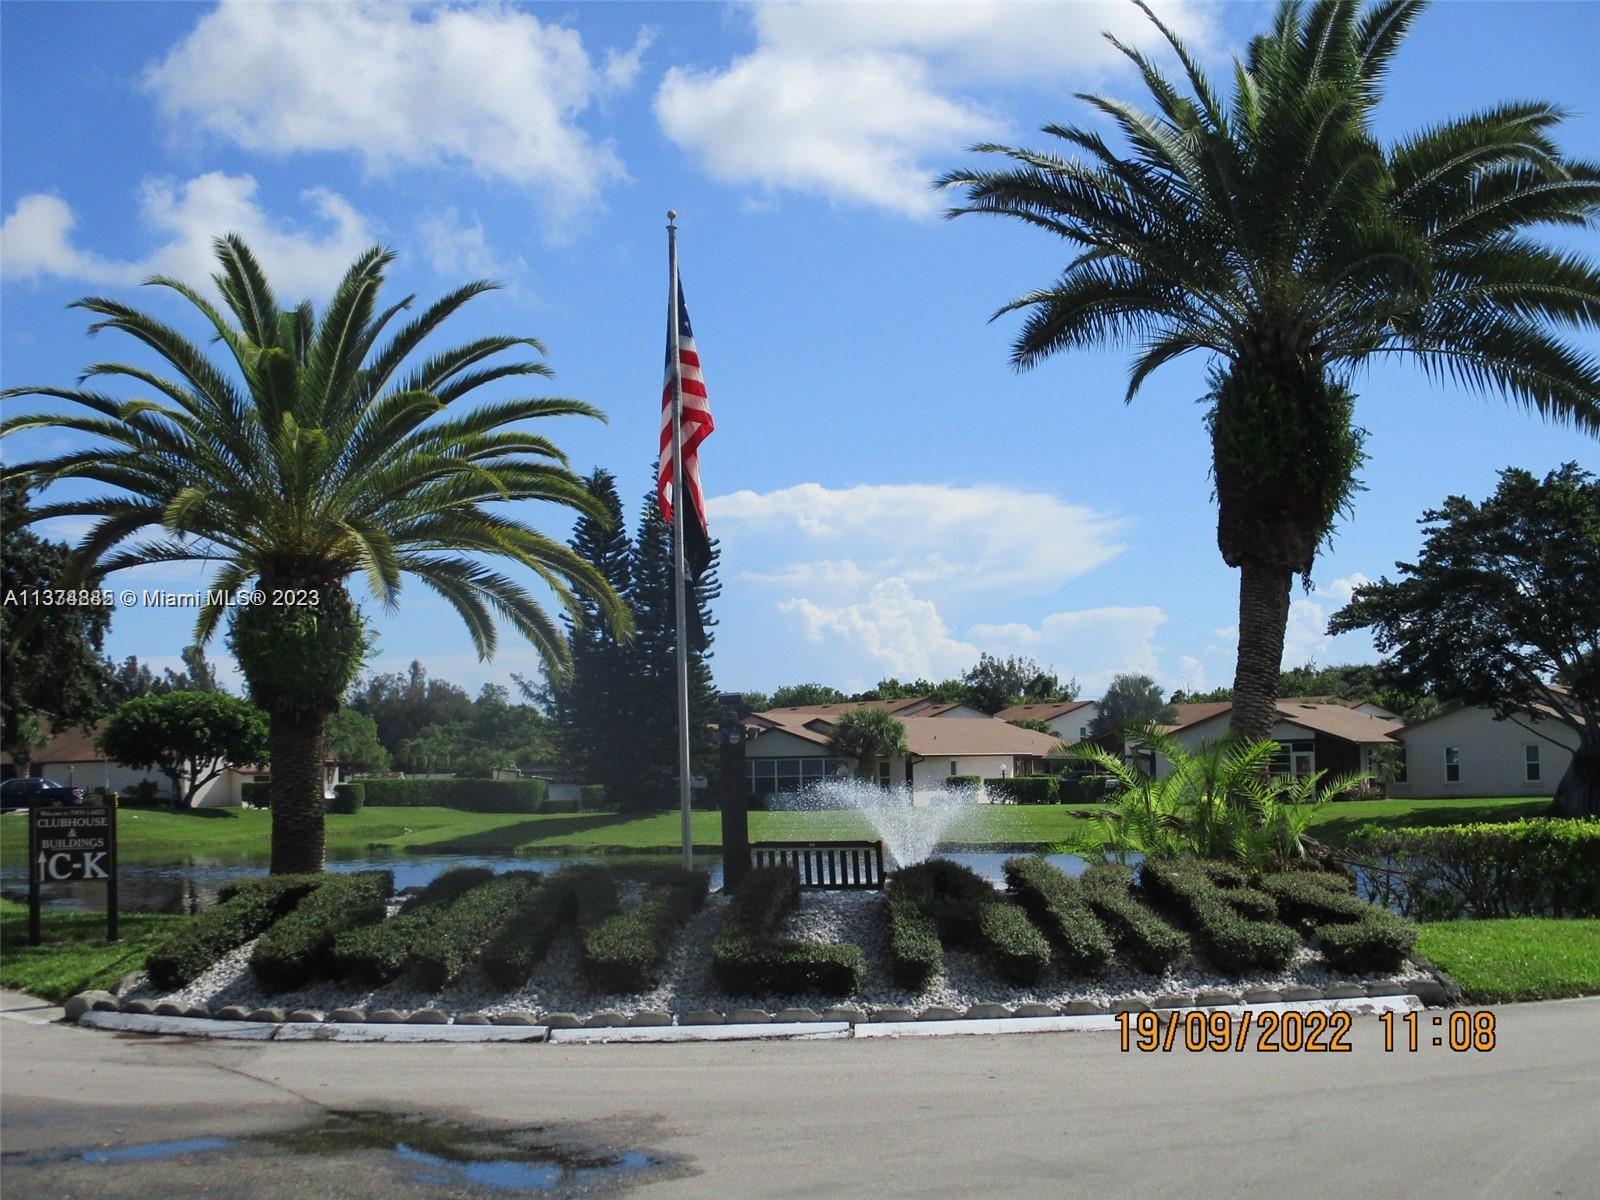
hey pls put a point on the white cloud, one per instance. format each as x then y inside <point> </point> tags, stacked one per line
<point>489,87</point>
<point>855,101</point>
<point>1091,644</point>
<point>1306,638</point>
<point>455,248</point>
<point>37,237</point>
<point>894,630</point>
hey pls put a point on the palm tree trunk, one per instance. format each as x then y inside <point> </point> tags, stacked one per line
<point>1263,616</point>
<point>295,744</point>
<point>1578,793</point>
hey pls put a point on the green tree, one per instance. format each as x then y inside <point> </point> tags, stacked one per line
<point>1131,700</point>
<point>353,739</point>
<point>1502,609</point>
<point>190,737</point>
<point>994,683</point>
<point>50,664</point>
<point>867,735</point>
<point>1273,232</point>
<point>198,675</point>
<point>803,695</point>
<point>131,680</point>
<point>404,704</point>
<point>306,454</point>
<point>756,701</point>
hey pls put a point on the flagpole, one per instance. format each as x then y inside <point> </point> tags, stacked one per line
<point>678,602</point>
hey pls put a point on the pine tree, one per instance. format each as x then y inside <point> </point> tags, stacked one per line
<point>596,706</point>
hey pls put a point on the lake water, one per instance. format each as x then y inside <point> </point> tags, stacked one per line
<point>193,885</point>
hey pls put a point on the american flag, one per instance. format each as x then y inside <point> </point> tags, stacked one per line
<point>697,426</point>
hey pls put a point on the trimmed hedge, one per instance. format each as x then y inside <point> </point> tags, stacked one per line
<point>915,953</point>
<point>452,941</point>
<point>966,781</point>
<point>1303,896</point>
<point>1378,942</point>
<point>1027,789</point>
<point>1544,867</point>
<point>957,902</point>
<point>1056,905</point>
<point>1140,935</point>
<point>248,908</point>
<point>376,953</point>
<point>299,948</point>
<point>746,957</point>
<point>1019,951</point>
<point>257,795</point>
<point>347,798</point>
<point>1235,943</point>
<point>470,795</point>
<point>624,952</point>
<point>585,894</point>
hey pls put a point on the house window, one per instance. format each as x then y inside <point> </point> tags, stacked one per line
<point>768,775</point>
<point>1083,731</point>
<point>952,766</point>
<point>1400,771</point>
<point>883,773</point>
<point>1452,764</point>
<point>1530,763</point>
<point>1294,758</point>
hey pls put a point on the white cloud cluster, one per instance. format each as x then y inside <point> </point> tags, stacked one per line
<point>490,86</point>
<point>37,240</point>
<point>853,101</point>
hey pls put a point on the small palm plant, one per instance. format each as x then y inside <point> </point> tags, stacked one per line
<point>303,456</point>
<point>1218,802</point>
<point>867,735</point>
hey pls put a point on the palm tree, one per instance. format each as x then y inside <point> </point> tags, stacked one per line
<point>1275,233</point>
<point>304,460</point>
<point>866,735</point>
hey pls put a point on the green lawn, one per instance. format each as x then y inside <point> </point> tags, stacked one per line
<point>1517,958</point>
<point>152,835</point>
<point>74,955</point>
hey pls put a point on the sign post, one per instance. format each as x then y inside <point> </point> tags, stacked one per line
<point>67,844</point>
<point>733,786</point>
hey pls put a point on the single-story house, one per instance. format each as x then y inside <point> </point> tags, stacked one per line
<point>1467,752</point>
<point>1312,735</point>
<point>1069,719</point>
<point>789,749</point>
<point>71,757</point>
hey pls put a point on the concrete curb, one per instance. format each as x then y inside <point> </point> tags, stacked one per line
<point>261,1031</point>
<point>797,1031</point>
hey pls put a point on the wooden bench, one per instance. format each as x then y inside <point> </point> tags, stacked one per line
<point>829,866</point>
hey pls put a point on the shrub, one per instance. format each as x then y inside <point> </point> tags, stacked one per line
<point>747,958</point>
<point>591,797</point>
<point>585,895</point>
<point>957,902</point>
<point>249,907</point>
<point>1378,942</point>
<point>1235,943</point>
<point>915,953</point>
<point>451,942</point>
<point>624,952</point>
<point>299,947</point>
<point>1018,950</point>
<point>470,795</point>
<point>376,953</point>
<point>1026,789</point>
<point>1143,937</point>
<point>1303,896</point>
<point>256,795</point>
<point>1056,905</point>
<point>1540,867</point>
<point>964,781</point>
<point>347,798</point>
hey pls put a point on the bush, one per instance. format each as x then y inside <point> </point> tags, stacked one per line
<point>1540,867</point>
<point>1143,937</point>
<point>1056,905</point>
<point>451,942</point>
<point>376,953</point>
<point>1233,942</point>
<point>591,797</point>
<point>624,952</point>
<point>1304,896</point>
<point>299,948</point>
<point>1377,943</point>
<point>964,781</point>
<point>249,907</point>
<point>915,953</point>
<point>747,958</point>
<point>470,795</point>
<point>347,798</point>
<point>586,895</point>
<point>948,893</point>
<point>256,795</point>
<point>1019,951</point>
<point>1026,789</point>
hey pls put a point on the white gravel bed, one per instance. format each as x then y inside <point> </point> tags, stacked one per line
<point>686,985</point>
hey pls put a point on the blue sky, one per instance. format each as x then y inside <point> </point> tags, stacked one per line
<point>891,497</point>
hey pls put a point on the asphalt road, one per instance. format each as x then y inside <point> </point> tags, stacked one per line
<point>1059,1115</point>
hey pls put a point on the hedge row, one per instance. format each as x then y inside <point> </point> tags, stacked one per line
<point>1235,943</point>
<point>471,795</point>
<point>1353,936</point>
<point>1140,935</point>
<point>1056,905</point>
<point>1534,868</point>
<point>452,941</point>
<point>1026,789</point>
<point>915,953</point>
<point>585,894</point>
<point>746,957</point>
<point>624,952</point>
<point>1018,950</point>
<point>248,908</point>
<point>377,953</point>
<point>1307,897</point>
<point>348,798</point>
<point>961,909</point>
<point>299,947</point>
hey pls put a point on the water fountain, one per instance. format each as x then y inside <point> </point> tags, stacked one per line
<point>910,823</point>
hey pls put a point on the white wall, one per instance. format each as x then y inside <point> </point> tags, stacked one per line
<point>935,772</point>
<point>1492,755</point>
<point>88,775</point>
<point>1074,726</point>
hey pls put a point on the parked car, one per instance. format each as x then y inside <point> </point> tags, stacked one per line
<point>37,793</point>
